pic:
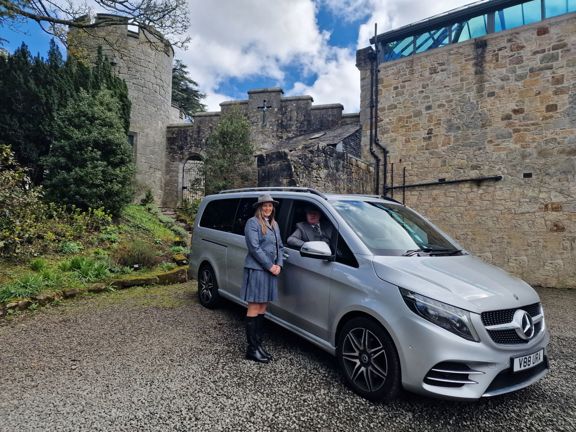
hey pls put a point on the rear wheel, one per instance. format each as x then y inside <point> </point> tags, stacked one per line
<point>368,359</point>
<point>207,287</point>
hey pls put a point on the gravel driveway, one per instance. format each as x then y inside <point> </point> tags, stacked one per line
<point>153,359</point>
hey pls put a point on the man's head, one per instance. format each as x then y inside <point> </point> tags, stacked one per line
<point>312,215</point>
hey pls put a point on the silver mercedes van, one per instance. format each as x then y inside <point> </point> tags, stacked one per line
<point>395,299</point>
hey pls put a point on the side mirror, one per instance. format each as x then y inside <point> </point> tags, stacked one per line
<point>316,249</point>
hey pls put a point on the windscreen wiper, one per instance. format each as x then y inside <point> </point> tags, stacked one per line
<point>432,251</point>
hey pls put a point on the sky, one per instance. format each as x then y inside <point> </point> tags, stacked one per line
<point>306,47</point>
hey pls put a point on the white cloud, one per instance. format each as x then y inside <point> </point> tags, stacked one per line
<point>252,38</point>
<point>338,81</point>
<point>248,39</point>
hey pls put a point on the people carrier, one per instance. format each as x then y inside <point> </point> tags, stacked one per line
<point>396,300</point>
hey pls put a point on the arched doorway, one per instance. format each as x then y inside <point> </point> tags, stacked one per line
<point>193,178</point>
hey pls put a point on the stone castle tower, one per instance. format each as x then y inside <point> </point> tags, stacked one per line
<point>144,60</point>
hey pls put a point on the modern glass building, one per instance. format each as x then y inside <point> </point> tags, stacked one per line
<point>469,22</point>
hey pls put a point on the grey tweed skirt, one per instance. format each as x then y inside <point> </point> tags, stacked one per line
<point>259,286</point>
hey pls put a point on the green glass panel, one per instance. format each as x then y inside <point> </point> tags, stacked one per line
<point>513,17</point>
<point>423,42</point>
<point>533,11</point>
<point>555,8</point>
<point>477,26</point>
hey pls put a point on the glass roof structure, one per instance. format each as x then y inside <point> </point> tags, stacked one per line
<point>469,22</point>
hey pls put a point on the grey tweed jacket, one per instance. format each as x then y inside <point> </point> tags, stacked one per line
<point>264,250</point>
<point>304,233</point>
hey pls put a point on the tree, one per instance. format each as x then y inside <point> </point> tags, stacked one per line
<point>229,155</point>
<point>185,93</point>
<point>90,163</point>
<point>34,90</point>
<point>170,17</point>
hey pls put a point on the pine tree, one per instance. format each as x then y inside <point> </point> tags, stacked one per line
<point>185,93</point>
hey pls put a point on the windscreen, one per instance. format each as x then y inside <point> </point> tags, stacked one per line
<point>389,229</point>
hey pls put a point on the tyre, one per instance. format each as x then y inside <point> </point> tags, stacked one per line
<point>368,359</point>
<point>207,287</point>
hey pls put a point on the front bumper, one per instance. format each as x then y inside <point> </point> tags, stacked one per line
<point>438,363</point>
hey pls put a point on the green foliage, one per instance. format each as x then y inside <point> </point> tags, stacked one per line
<point>179,250</point>
<point>146,219</point>
<point>38,264</point>
<point>185,93</point>
<point>148,198</point>
<point>70,247</point>
<point>25,287</point>
<point>167,266</point>
<point>86,269</point>
<point>189,210</point>
<point>34,90</point>
<point>136,254</point>
<point>90,164</point>
<point>21,207</point>
<point>30,226</point>
<point>229,158</point>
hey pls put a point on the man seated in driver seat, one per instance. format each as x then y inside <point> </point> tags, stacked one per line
<point>314,229</point>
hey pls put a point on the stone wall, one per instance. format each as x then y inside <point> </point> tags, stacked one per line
<point>505,105</point>
<point>184,142</point>
<point>319,167</point>
<point>271,130</point>
<point>144,61</point>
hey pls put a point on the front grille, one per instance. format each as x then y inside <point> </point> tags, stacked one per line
<point>450,374</point>
<point>504,316</point>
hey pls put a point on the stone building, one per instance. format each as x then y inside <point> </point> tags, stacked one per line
<point>297,144</point>
<point>499,105</point>
<point>144,61</point>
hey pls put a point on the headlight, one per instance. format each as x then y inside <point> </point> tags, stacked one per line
<point>448,317</point>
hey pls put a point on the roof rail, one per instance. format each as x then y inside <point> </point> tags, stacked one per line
<point>276,188</point>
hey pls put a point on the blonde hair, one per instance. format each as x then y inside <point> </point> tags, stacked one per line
<point>261,219</point>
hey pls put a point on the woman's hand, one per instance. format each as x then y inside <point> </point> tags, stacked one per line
<point>275,269</point>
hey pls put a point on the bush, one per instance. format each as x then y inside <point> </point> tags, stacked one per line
<point>70,247</point>
<point>189,210</point>
<point>90,163</point>
<point>136,254</point>
<point>21,208</point>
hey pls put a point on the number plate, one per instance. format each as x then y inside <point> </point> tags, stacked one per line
<point>527,361</point>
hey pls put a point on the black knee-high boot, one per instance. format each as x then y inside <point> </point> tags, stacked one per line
<point>260,325</point>
<point>253,351</point>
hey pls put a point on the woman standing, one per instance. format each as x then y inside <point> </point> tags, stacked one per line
<point>261,269</point>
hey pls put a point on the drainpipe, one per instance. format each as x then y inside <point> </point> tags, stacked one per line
<point>376,139</point>
<point>372,152</point>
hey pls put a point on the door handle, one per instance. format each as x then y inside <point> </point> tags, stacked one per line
<point>285,255</point>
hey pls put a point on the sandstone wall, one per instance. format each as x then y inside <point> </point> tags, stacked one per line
<point>144,61</point>
<point>503,105</point>
<point>319,167</point>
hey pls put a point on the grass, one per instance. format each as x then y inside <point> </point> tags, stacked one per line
<point>141,234</point>
<point>137,218</point>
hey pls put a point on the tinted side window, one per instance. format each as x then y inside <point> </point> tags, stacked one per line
<point>245,212</point>
<point>344,255</point>
<point>219,214</point>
